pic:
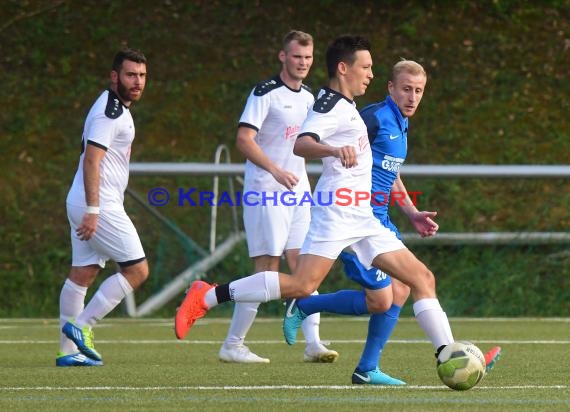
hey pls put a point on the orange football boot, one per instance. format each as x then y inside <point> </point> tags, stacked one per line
<point>192,308</point>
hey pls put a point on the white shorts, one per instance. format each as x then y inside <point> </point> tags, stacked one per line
<point>272,229</point>
<point>365,247</point>
<point>116,238</point>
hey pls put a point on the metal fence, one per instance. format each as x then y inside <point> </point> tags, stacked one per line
<point>235,171</point>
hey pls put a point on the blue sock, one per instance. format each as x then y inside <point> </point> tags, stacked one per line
<point>343,302</point>
<point>380,327</point>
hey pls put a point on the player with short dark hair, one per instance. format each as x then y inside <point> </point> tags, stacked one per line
<point>387,128</point>
<point>100,227</point>
<point>335,132</point>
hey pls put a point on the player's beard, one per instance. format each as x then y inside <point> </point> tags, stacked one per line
<point>125,94</point>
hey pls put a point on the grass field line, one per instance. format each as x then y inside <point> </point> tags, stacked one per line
<point>267,387</point>
<point>278,319</point>
<point>273,342</point>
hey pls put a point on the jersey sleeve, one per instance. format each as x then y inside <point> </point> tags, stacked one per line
<point>255,111</point>
<point>319,125</point>
<point>371,120</point>
<point>101,131</point>
<point>373,128</point>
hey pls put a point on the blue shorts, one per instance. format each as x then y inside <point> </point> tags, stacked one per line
<point>373,279</point>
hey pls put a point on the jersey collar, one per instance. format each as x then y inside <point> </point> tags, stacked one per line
<point>280,82</point>
<point>402,121</point>
<point>113,95</point>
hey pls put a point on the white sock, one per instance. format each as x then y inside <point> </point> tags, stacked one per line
<point>259,287</point>
<point>310,326</point>
<point>242,319</point>
<point>111,292</point>
<point>71,303</point>
<point>433,321</point>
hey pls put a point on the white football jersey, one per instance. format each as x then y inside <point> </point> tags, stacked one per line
<point>276,112</point>
<point>334,120</point>
<point>109,125</point>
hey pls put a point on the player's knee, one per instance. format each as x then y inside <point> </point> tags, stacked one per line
<point>304,288</point>
<point>401,293</point>
<point>142,271</point>
<point>379,303</point>
<point>430,279</point>
<point>83,275</point>
<point>144,275</point>
<point>379,307</point>
<point>426,282</point>
<point>136,274</point>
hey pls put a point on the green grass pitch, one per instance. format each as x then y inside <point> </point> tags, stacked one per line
<point>147,369</point>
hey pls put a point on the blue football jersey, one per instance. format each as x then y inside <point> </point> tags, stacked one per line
<point>388,135</point>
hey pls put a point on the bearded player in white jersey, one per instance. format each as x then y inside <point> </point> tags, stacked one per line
<point>100,227</point>
<point>267,131</point>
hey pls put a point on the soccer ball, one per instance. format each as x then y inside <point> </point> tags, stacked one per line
<point>461,365</point>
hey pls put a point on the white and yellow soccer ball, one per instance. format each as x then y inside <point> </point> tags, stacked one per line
<point>461,365</point>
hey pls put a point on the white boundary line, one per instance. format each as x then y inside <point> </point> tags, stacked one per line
<point>274,342</point>
<point>275,319</point>
<point>267,387</point>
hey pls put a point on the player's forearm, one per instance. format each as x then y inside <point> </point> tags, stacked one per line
<point>404,202</point>
<point>407,206</point>
<point>309,148</point>
<point>254,154</point>
<point>91,179</point>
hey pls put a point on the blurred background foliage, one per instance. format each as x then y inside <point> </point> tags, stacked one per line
<point>497,94</point>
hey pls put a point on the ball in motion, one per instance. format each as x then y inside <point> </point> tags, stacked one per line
<point>461,365</point>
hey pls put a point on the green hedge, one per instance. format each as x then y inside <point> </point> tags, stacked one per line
<point>498,75</point>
